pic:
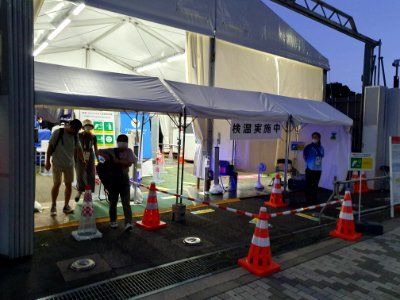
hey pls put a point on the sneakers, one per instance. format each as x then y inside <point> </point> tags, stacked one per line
<point>53,211</point>
<point>113,225</point>
<point>67,210</point>
<point>78,196</point>
<point>128,227</point>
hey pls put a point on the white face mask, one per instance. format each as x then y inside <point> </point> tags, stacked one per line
<point>87,128</point>
<point>315,141</point>
<point>122,145</point>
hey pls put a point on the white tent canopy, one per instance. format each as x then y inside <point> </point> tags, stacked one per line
<point>219,103</point>
<point>75,87</point>
<point>248,23</point>
<point>62,86</point>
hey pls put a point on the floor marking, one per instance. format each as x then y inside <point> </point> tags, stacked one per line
<point>202,211</point>
<point>308,217</point>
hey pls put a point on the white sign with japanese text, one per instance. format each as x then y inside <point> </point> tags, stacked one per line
<point>244,130</point>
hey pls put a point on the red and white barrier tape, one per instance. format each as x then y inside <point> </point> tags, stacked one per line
<point>295,211</point>
<point>230,209</point>
<point>242,212</point>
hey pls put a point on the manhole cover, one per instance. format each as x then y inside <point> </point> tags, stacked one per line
<point>83,264</point>
<point>192,240</point>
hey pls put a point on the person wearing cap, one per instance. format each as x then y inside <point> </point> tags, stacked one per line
<point>86,172</point>
<point>63,145</point>
<point>313,154</point>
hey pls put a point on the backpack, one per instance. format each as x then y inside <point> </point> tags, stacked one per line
<point>109,173</point>
<point>60,138</point>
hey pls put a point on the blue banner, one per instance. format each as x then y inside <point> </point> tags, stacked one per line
<point>128,124</point>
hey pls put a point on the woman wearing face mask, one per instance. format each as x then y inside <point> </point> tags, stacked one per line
<point>313,154</point>
<point>123,158</point>
<point>85,171</point>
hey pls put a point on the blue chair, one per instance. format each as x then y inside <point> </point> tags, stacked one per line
<point>225,169</point>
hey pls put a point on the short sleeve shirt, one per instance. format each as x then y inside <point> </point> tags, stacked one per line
<point>126,154</point>
<point>63,156</point>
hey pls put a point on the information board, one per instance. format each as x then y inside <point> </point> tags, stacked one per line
<point>244,130</point>
<point>104,126</point>
<point>361,162</point>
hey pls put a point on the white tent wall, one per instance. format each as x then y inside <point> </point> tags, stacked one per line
<point>197,72</point>
<point>337,150</point>
<point>242,68</point>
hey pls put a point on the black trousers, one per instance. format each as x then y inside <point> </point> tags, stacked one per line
<point>312,180</point>
<point>123,190</point>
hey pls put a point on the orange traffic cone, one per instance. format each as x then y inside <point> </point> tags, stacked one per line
<point>276,200</point>
<point>181,161</point>
<point>364,184</point>
<point>345,227</point>
<point>259,260</point>
<point>151,217</point>
<point>354,176</point>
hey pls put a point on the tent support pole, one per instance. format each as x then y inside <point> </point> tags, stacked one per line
<point>179,151</point>
<point>183,152</point>
<point>179,209</point>
<point>288,131</point>
<point>211,82</point>
<point>136,152</point>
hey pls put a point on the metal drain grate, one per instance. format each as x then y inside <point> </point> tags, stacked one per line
<point>150,280</point>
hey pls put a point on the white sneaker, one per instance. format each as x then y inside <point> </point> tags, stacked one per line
<point>114,225</point>
<point>53,211</point>
<point>128,227</point>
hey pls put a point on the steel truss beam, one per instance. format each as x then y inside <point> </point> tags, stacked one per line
<point>327,15</point>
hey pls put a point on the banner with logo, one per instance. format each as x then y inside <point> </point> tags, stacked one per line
<point>244,130</point>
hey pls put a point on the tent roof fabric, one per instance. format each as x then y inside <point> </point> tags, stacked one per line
<point>249,23</point>
<point>62,86</point>
<point>219,103</point>
<point>73,87</point>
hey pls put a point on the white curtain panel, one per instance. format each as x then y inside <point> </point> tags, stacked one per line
<point>166,129</point>
<point>198,57</point>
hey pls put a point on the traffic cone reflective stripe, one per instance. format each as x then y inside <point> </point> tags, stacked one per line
<point>151,217</point>
<point>276,199</point>
<point>259,260</point>
<point>345,227</point>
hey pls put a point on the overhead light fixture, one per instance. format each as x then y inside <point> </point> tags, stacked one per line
<point>148,67</point>
<point>78,9</point>
<point>175,57</point>
<point>40,48</point>
<point>59,29</point>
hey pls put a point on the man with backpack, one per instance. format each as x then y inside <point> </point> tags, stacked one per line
<point>63,146</point>
<point>114,174</point>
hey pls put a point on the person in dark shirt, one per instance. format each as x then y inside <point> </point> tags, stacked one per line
<point>313,154</point>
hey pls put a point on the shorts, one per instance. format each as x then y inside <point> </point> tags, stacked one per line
<point>68,174</point>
